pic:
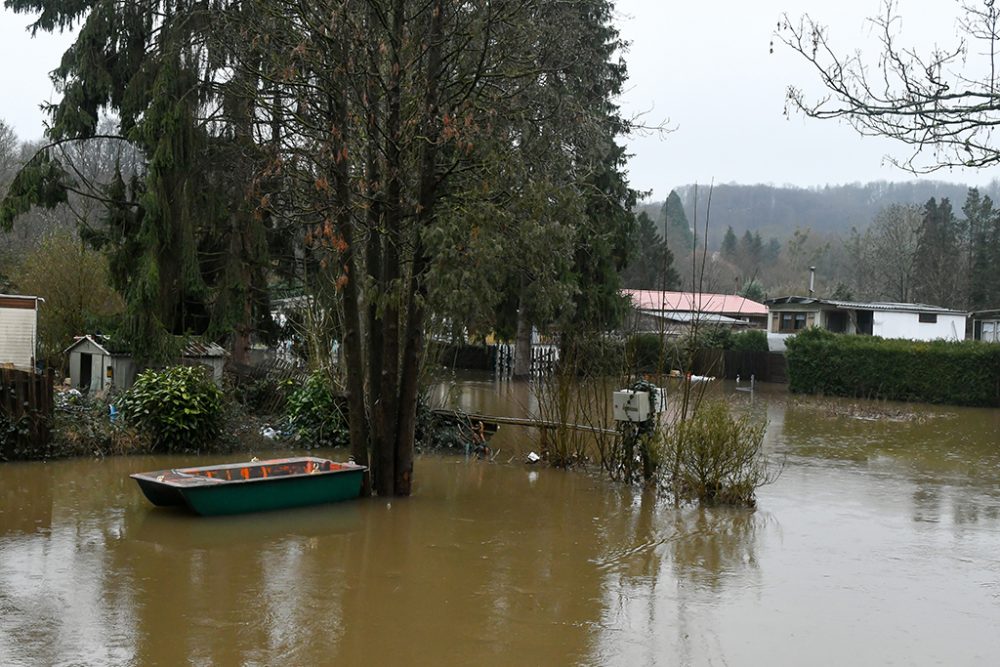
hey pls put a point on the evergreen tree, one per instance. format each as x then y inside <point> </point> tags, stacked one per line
<point>751,251</point>
<point>425,142</point>
<point>937,256</point>
<point>772,251</point>
<point>753,290</point>
<point>193,259</point>
<point>980,223</point>
<point>729,244</point>
<point>652,264</point>
<point>674,223</point>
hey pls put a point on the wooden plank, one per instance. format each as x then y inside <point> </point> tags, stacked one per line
<point>521,421</point>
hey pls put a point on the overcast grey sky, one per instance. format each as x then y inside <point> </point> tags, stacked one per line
<point>702,66</point>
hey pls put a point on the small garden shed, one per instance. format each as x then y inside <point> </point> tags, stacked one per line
<point>96,363</point>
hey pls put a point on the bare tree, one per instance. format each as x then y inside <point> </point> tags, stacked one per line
<point>8,153</point>
<point>886,254</point>
<point>945,102</point>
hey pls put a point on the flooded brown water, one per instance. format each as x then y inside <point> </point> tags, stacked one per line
<point>878,545</point>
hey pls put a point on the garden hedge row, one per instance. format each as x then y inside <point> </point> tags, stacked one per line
<point>958,373</point>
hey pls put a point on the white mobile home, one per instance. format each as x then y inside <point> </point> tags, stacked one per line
<point>913,321</point>
<point>18,330</point>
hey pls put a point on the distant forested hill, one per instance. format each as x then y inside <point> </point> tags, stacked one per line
<point>778,211</point>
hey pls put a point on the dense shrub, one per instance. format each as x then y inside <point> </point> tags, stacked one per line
<point>712,337</point>
<point>719,458</point>
<point>14,435</point>
<point>652,353</point>
<point>317,414</point>
<point>178,408</point>
<point>83,427</point>
<point>594,356</point>
<point>959,373</point>
<point>751,340</point>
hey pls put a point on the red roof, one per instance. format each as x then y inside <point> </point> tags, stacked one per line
<point>723,304</point>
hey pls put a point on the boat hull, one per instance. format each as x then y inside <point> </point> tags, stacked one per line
<point>253,487</point>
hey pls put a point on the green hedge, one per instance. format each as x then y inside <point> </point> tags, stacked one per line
<point>751,340</point>
<point>958,373</point>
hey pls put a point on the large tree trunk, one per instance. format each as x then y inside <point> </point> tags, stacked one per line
<point>386,412</point>
<point>373,177</point>
<point>417,292</point>
<point>349,271</point>
<point>522,341</point>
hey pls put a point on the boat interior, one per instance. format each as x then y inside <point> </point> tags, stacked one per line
<point>266,469</point>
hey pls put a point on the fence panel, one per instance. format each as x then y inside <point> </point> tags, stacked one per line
<point>26,404</point>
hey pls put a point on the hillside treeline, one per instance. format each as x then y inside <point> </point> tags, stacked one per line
<point>878,241</point>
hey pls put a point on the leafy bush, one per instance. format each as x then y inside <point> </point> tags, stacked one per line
<point>751,340</point>
<point>713,338</point>
<point>959,373</point>
<point>594,356</point>
<point>317,414</point>
<point>13,436</point>
<point>652,353</point>
<point>178,408</point>
<point>83,427</point>
<point>719,458</point>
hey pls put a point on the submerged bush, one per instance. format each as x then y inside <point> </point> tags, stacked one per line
<point>317,414</point>
<point>719,457</point>
<point>178,408</point>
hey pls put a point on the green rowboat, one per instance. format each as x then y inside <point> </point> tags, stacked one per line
<point>235,488</point>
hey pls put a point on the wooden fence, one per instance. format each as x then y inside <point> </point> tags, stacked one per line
<point>764,366</point>
<point>26,404</point>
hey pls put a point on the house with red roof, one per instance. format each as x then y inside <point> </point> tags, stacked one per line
<point>676,311</point>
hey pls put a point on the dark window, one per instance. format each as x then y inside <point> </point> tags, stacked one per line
<point>836,321</point>
<point>866,322</point>
<point>928,318</point>
<point>792,322</point>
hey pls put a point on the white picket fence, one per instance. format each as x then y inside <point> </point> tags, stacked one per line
<point>543,359</point>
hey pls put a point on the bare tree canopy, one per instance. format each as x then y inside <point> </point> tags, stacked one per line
<point>944,104</point>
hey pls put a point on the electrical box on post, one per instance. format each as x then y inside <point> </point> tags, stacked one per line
<point>659,400</point>
<point>631,406</point>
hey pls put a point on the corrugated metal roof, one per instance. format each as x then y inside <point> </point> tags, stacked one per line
<point>197,348</point>
<point>103,342</point>
<point>680,316</point>
<point>192,348</point>
<point>723,304</point>
<point>864,305</point>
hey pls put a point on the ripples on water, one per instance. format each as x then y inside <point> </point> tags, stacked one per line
<point>880,544</point>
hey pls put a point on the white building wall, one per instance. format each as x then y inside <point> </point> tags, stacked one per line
<point>18,333</point>
<point>908,325</point>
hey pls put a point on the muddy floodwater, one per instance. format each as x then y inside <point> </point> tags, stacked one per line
<point>878,545</point>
